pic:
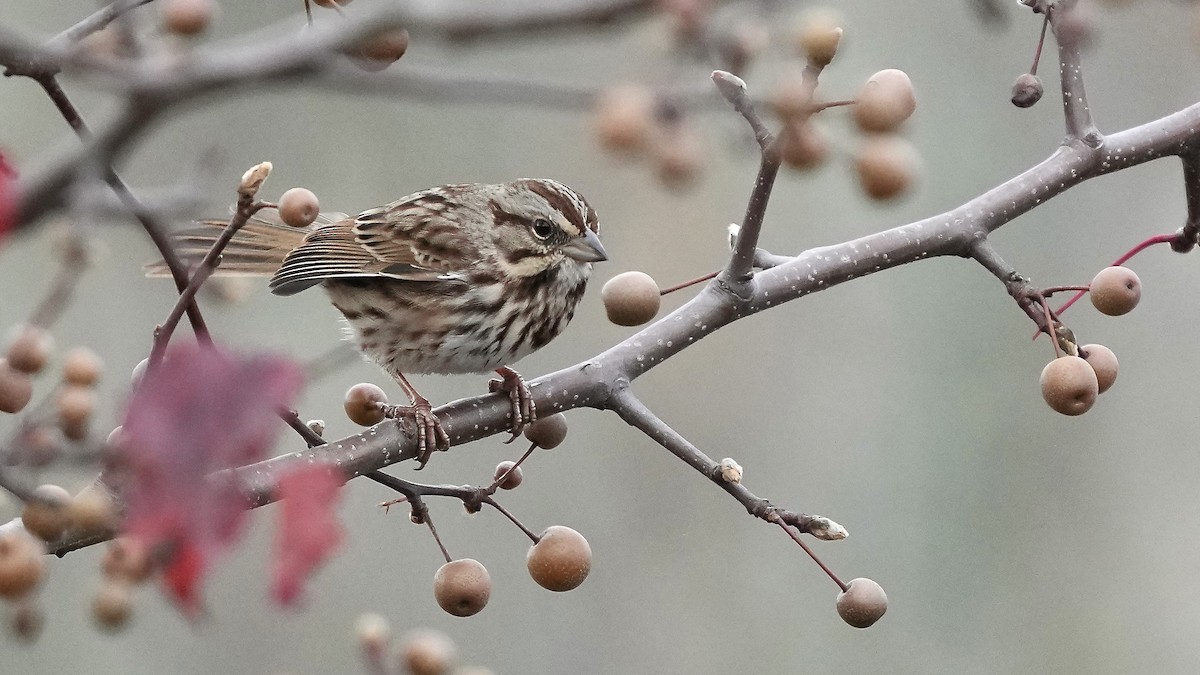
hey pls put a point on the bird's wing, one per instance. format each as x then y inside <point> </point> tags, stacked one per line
<point>409,239</point>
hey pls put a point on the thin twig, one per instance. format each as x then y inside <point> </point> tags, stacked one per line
<point>162,335</point>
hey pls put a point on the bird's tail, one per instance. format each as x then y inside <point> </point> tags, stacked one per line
<point>256,250</point>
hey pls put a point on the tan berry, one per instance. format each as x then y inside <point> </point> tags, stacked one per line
<point>82,367</point>
<point>113,605</point>
<point>383,50</point>
<point>298,207</point>
<point>743,43</point>
<point>188,17</point>
<point>886,100</point>
<point>561,559</point>
<point>630,298</point>
<point>792,95</point>
<point>818,36</point>
<point>16,388</point>
<point>624,117</point>
<point>29,349</point>
<point>22,564</point>
<point>1104,362</point>
<point>1027,90</point>
<point>1116,290</point>
<point>126,560</point>
<point>46,515</point>
<point>362,404</point>
<point>547,432</point>
<point>92,510</point>
<point>462,587</point>
<point>511,473</point>
<point>887,166</point>
<point>115,440</point>
<point>75,407</point>
<point>27,621</point>
<point>372,632</point>
<point>862,603</point>
<point>1069,385</point>
<point>427,652</point>
<point>139,371</point>
<point>680,158</point>
<point>802,145</point>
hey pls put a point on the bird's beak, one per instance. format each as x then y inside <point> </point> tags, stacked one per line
<point>586,248</point>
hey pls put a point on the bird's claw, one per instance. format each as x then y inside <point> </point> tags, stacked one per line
<point>524,412</point>
<point>431,437</point>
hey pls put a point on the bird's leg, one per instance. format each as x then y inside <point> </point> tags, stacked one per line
<point>524,412</point>
<point>430,434</point>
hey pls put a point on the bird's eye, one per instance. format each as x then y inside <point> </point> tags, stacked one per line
<point>542,228</point>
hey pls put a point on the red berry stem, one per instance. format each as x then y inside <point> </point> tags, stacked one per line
<point>1037,55</point>
<point>693,282</point>
<point>1156,239</point>
<point>491,489</point>
<point>791,532</point>
<point>529,533</point>
<point>1047,292</point>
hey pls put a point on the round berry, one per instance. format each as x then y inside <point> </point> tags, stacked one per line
<point>372,632</point>
<point>127,560</point>
<point>1116,290</point>
<point>511,473</point>
<point>383,50</point>
<point>91,510</point>
<point>1104,362</point>
<point>427,652</point>
<point>112,605</point>
<point>680,158</point>
<point>886,100</point>
<point>630,298</point>
<point>887,166</point>
<point>547,432</point>
<point>29,349</point>
<point>27,621</point>
<point>16,388</point>
<point>46,515</point>
<point>139,371</point>
<point>362,404</point>
<point>624,118</point>
<point>82,367</point>
<point>1069,385</point>
<point>462,587</point>
<point>75,407</point>
<point>188,17</point>
<point>22,564</point>
<point>1027,90</point>
<point>803,146</point>
<point>298,207</point>
<point>862,603</point>
<point>561,559</point>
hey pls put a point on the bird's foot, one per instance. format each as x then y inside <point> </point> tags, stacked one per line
<point>430,434</point>
<point>524,412</point>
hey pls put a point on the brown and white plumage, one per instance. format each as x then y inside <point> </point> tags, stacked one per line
<point>455,279</point>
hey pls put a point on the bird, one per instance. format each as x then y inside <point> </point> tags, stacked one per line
<point>460,278</point>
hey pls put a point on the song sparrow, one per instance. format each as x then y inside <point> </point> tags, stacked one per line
<point>455,279</point>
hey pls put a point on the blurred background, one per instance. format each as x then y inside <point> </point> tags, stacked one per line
<point>904,405</point>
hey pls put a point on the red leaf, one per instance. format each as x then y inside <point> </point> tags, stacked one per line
<point>308,530</point>
<point>200,412</point>
<point>8,196</point>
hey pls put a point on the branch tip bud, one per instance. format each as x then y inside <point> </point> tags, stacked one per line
<point>253,179</point>
<point>825,529</point>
